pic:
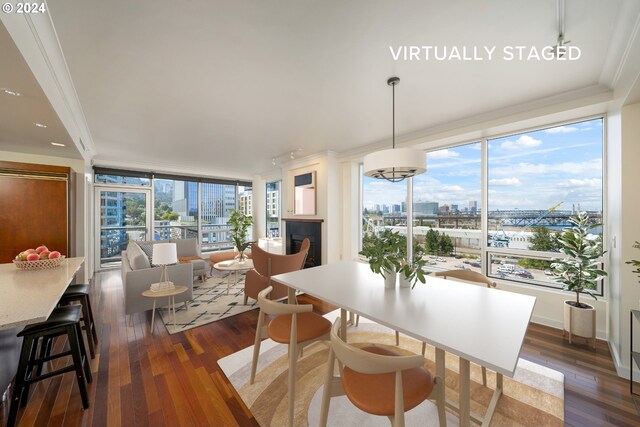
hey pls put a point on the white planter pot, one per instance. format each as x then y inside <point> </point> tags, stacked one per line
<point>404,282</point>
<point>390,279</point>
<point>580,322</point>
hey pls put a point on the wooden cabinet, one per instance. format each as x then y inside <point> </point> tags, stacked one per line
<point>37,205</point>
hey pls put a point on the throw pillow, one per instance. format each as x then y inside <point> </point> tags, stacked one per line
<point>137,259</point>
<point>147,248</point>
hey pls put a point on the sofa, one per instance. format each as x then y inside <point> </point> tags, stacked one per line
<point>138,273</point>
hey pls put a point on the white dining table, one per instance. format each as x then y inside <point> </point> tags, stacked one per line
<point>478,324</point>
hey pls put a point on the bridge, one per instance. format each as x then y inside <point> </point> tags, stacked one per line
<point>506,218</point>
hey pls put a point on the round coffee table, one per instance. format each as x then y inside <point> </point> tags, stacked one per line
<point>170,294</point>
<point>234,266</point>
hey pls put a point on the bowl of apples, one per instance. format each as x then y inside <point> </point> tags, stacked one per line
<point>38,259</point>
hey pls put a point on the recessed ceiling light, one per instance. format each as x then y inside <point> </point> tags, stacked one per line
<point>11,92</point>
<point>40,125</point>
<point>58,144</point>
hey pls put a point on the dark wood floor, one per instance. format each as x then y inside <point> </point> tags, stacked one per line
<point>169,380</point>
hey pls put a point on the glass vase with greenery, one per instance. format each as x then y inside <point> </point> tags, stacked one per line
<point>240,224</point>
<point>580,270</point>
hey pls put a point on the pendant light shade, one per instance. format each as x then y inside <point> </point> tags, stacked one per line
<point>395,164</point>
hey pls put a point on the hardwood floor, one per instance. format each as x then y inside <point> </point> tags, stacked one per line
<point>169,380</point>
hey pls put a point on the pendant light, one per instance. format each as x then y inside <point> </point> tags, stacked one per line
<point>395,164</point>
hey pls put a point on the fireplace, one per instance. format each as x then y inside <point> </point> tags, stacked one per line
<point>299,229</point>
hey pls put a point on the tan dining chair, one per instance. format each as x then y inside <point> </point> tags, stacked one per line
<point>473,277</point>
<point>296,325</point>
<point>379,381</point>
<point>266,264</point>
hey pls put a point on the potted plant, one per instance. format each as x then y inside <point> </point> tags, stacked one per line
<point>384,252</point>
<point>240,224</point>
<point>412,272</point>
<point>635,262</point>
<point>579,272</point>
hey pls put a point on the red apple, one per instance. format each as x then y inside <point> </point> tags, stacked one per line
<point>54,254</point>
<point>41,249</point>
<point>44,255</point>
<point>33,257</point>
<point>30,251</point>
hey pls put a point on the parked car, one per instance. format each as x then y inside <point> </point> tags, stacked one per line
<point>457,256</point>
<point>524,274</point>
<point>440,259</point>
<point>549,272</point>
<point>505,268</point>
<point>475,264</point>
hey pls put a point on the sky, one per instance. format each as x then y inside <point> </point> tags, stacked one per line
<point>534,170</point>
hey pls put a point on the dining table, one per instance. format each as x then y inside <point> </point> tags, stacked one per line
<point>482,325</point>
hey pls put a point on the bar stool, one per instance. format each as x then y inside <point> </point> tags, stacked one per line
<point>62,321</point>
<point>80,293</point>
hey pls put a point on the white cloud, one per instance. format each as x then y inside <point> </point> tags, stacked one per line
<point>581,183</point>
<point>524,141</point>
<point>589,168</point>
<point>505,181</point>
<point>561,129</point>
<point>442,154</point>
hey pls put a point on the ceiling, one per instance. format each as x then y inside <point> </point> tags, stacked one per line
<point>227,86</point>
<point>18,114</point>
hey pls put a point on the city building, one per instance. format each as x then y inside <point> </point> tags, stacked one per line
<point>426,208</point>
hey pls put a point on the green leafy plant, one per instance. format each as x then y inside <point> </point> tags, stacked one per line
<point>413,271</point>
<point>240,224</point>
<point>387,253</point>
<point>635,262</point>
<point>384,251</point>
<point>580,270</point>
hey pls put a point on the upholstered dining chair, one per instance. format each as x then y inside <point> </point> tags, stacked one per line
<point>379,381</point>
<point>266,264</point>
<point>473,277</point>
<point>296,325</point>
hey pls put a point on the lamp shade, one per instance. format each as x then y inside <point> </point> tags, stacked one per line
<point>395,164</point>
<point>165,253</point>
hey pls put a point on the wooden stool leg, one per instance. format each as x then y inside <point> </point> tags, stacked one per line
<point>397,338</point>
<point>83,354</point>
<point>87,326</point>
<point>74,344</point>
<point>94,334</point>
<point>20,376</point>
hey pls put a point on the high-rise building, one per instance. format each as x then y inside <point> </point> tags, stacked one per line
<point>403,206</point>
<point>473,206</point>
<point>444,209</point>
<point>246,204</point>
<point>395,208</point>
<point>454,208</point>
<point>426,208</point>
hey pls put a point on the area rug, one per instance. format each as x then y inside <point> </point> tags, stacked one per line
<point>210,303</point>
<point>534,397</point>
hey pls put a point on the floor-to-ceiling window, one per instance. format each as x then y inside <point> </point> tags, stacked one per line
<point>183,207</point>
<point>175,205</point>
<point>273,209</point>
<point>535,181</point>
<point>446,208</point>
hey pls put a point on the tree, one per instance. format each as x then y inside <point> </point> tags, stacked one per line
<point>541,240</point>
<point>445,244</point>
<point>432,242</point>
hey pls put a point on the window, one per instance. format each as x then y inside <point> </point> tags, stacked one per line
<point>535,181</point>
<point>273,209</point>
<point>216,204</point>
<point>446,208</point>
<point>175,209</point>
<point>384,205</point>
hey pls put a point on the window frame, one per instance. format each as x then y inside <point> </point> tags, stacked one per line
<point>485,250</point>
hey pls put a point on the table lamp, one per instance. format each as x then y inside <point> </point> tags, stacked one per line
<point>164,254</point>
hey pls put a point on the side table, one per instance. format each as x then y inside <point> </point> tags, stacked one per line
<point>170,294</point>
<point>234,266</point>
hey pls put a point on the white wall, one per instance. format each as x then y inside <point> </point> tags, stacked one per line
<point>83,241</point>
<point>328,199</point>
<point>259,202</point>
<point>625,289</point>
